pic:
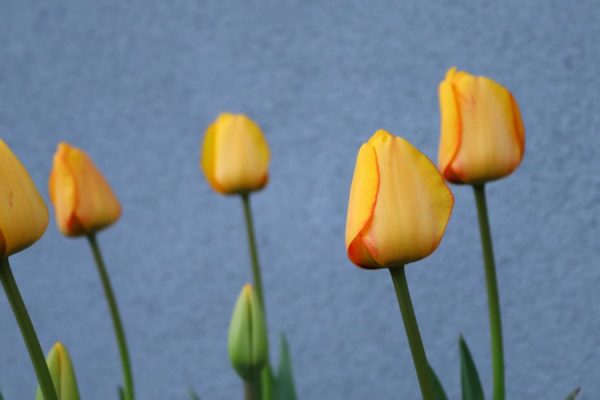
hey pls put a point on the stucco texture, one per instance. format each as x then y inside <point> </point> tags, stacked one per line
<point>135,83</point>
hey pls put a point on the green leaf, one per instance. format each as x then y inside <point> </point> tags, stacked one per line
<point>438,389</point>
<point>469,378</point>
<point>1,397</point>
<point>572,396</point>
<point>284,383</point>
<point>193,394</point>
<point>121,393</point>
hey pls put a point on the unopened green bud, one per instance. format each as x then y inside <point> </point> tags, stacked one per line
<point>247,335</point>
<point>62,373</point>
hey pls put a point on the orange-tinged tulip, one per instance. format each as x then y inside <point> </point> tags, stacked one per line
<point>83,201</point>
<point>482,134</point>
<point>399,204</point>
<point>235,155</point>
<point>23,213</point>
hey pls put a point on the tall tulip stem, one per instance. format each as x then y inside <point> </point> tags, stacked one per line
<point>492,292</point>
<point>27,331</point>
<point>116,318</point>
<point>256,275</point>
<point>252,389</point>
<point>266,375</point>
<point>412,332</point>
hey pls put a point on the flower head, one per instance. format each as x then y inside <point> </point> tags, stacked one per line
<point>83,201</point>
<point>23,213</point>
<point>399,204</point>
<point>235,155</point>
<point>482,134</point>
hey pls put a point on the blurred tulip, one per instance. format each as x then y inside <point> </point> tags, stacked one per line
<point>83,201</point>
<point>482,133</point>
<point>23,213</point>
<point>399,204</point>
<point>63,374</point>
<point>248,335</point>
<point>235,155</point>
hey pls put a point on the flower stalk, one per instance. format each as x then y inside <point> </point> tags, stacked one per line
<point>266,375</point>
<point>412,332</point>
<point>492,292</point>
<point>116,318</point>
<point>27,331</point>
<point>256,274</point>
<point>252,389</point>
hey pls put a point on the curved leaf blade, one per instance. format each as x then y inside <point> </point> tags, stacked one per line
<point>469,378</point>
<point>285,389</point>
<point>193,395</point>
<point>438,389</point>
<point>573,394</point>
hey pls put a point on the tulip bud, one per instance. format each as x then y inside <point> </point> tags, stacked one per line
<point>62,373</point>
<point>83,201</point>
<point>247,335</point>
<point>235,155</point>
<point>399,204</point>
<point>482,133</point>
<point>23,213</point>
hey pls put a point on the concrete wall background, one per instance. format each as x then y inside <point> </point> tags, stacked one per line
<point>135,84</point>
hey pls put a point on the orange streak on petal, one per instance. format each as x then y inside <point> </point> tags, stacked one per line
<point>363,195</point>
<point>412,208</point>
<point>450,130</point>
<point>519,126</point>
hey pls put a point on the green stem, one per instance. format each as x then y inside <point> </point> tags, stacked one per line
<point>251,391</point>
<point>492,292</point>
<point>248,391</point>
<point>266,375</point>
<point>412,332</point>
<point>116,318</point>
<point>27,331</point>
<point>253,249</point>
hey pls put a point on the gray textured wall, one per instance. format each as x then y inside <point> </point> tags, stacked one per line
<point>135,83</point>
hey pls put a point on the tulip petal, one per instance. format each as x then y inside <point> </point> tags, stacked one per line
<point>23,213</point>
<point>97,206</point>
<point>208,157</point>
<point>519,126</point>
<point>413,204</point>
<point>242,154</point>
<point>62,188</point>
<point>363,194</point>
<point>450,124</point>
<point>84,201</point>
<point>489,149</point>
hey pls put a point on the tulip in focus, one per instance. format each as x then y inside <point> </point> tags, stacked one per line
<point>235,155</point>
<point>399,204</point>
<point>482,133</point>
<point>23,213</point>
<point>247,344</point>
<point>84,202</point>
<point>63,374</point>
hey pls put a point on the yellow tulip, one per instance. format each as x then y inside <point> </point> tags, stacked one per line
<point>399,204</point>
<point>83,201</point>
<point>235,155</point>
<point>62,373</point>
<point>482,134</point>
<point>23,213</point>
